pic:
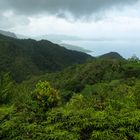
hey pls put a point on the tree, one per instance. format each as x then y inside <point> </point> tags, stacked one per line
<point>134,58</point>
<point>6,86</point>
<point>45,95</point>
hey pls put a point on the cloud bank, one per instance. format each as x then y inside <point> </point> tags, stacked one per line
<point>77,8</point>
<point>37,17</point>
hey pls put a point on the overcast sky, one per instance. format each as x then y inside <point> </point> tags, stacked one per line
<point>84,18</point>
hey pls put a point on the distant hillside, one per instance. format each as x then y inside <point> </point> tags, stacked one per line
<point>76,48</point>
<point>75,78</point>
<point>9,34</point>
<point>28,57</point>
<point>59,38</point>
<point>107,67</point>
<point>111,55</point>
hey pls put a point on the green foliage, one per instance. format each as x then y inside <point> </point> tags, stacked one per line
<point>25,58</point>
<point>96,101</point>
<point>75,78</point>
<point>66,96</point>
<point>6,87</point>
<point>46,95</point>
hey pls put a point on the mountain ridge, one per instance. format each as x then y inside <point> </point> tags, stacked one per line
<point>111,55</point>
<point>7,33</point>
<point>24,57</point>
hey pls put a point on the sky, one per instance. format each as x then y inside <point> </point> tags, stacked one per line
<point>107,19</point>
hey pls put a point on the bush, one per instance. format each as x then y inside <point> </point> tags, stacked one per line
<point>46,96</point>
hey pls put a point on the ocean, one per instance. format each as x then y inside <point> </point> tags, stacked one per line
<point>126,48</point>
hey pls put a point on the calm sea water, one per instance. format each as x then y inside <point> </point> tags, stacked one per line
<point>126,48</point>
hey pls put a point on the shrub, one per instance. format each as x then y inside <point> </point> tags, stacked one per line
<point>46,96</point>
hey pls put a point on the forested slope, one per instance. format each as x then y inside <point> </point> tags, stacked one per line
<point>98,100</point>
<point>29,57</point>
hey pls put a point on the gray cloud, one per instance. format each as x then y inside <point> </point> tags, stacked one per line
<point>77,8</point>
<point>4,22</point>
<point>8,22</point>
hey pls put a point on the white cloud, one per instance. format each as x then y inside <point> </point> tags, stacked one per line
<point>122,23</point>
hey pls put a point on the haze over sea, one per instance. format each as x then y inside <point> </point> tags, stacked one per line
<point>127,48</point>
